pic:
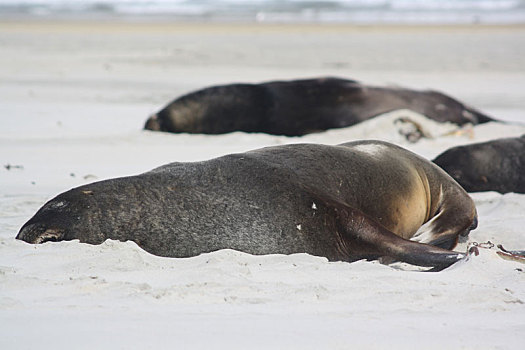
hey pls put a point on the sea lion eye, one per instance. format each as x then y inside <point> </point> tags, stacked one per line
<point>55,205</point>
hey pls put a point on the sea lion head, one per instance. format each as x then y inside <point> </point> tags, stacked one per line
<point>153,123</point>
<point>61,218</point>
<point>46,225</point>
<point>444,108</point>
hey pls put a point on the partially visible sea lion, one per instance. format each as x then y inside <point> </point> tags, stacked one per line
<point>497,165</point>
<point>299,107</point>
<point>353,201</point>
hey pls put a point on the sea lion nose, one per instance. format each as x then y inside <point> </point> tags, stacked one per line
<point>153,123</point>
<point>37,233</point>
<point>28,233</point>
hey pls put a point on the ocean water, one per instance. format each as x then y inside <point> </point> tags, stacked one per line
<point>324,11</point>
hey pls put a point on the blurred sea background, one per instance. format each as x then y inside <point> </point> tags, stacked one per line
<point>437,12</point>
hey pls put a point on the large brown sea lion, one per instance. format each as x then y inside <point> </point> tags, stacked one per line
<point>357,200</point>
<point>299,107</point>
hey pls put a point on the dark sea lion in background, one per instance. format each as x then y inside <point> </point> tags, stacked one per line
<point>348,202</point>
<point>497,165</point>
<point>299,107</point>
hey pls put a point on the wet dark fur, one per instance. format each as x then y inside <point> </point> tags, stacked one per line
<point>497,165</point>
<point>329,201</point>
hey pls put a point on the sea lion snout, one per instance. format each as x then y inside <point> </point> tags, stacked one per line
<point>39,233</point>
<point>153,123</point>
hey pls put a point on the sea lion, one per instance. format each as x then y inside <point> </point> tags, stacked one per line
<point>497,165</point>
<point>299,107</point>
<point>353,201</point>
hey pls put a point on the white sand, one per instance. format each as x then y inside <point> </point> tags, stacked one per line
<point>74,99</point>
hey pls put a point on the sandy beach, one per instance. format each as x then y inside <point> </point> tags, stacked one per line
<point>75,96</point>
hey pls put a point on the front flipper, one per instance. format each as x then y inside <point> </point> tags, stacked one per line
<point>362,237</point>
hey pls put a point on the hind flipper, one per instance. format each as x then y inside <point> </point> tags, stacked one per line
<point>362,237</point>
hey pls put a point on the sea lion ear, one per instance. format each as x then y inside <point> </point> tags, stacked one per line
<point>362,237</point>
